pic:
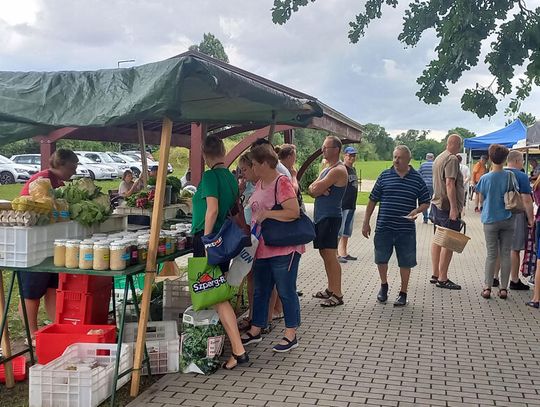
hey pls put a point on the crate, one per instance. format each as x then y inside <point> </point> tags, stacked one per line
<point>28,246</point>
<point>173,314</point>
<point>19,369</point>
<point>138,282</point>
<point>176,293</point>
<point>52,340</point>
<point>162,343</point>
<point>52,385</point>
<point>79,308</point>
<point>83,283</point>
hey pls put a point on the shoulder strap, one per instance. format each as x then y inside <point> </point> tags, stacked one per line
<point>275,189</point>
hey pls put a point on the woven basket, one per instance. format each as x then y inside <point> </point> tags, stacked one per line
<point>450,239</point>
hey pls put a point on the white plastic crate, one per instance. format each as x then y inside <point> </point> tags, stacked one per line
<point>28,246</point>
<point>176,293</point>
<point>55,385</point>
<point>162,343</point>
<point>173,314</point>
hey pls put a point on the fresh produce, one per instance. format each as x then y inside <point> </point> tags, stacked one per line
<point>143,199</point>
<point>86,202</point>
<point>201,347</point>
<point>175,183</point>
<point>188,192</point>
<point>87,213</point>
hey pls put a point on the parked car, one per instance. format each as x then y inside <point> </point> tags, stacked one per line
<point>10,172</point>
<point>134,165</point>
<point>34,161</point>
<point>104,158</point>
<point>96,170</point>
<point>150,160</point>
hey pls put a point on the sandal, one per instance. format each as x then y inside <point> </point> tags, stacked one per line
<point>323,295</point>
<point>503,293</point>
<point>240,360</point>
<point>332,301</point>
<point>244,324</point>
<point>434,279</point>
<point>486,293</point>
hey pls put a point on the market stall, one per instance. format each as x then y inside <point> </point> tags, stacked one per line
<point>183,89</point>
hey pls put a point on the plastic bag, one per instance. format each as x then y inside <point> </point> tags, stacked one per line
<point>207,285</point>
<point>242,264</point>
<point>201,343</point>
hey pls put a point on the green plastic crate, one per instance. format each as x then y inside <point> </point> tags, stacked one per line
<point>138,280</point>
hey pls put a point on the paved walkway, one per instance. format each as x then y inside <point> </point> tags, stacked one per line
<point>446,348</point>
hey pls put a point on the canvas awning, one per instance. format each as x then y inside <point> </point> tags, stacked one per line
<point>507,136</point>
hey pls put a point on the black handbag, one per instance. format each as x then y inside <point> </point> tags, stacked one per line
<point>278,233</point>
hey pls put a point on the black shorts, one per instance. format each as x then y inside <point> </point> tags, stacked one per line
<point>199,251</point>
<point>327,231</point>
<point>442,218</point>
<point>35,284</point>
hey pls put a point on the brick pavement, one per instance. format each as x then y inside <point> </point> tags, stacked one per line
<point>446,348</point>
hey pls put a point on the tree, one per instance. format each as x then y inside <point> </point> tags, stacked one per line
<point>464,133</point>
<point>462,27</point>
<point>421,148</point>
<point>211,46</point>
<point>526,118</point>
<point>367,152</point>
<point>411,137</point>
<point>377,135</point>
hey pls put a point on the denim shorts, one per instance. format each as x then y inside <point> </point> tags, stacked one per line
<point>404,243</point>
<point>347,220</point>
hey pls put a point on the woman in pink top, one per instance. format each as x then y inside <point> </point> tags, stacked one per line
<point>274,265</point>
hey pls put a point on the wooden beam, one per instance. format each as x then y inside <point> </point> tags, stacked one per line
<point>46,149</point>
<point>196,162</point>
<point>155,228</point>
<point>6,345</point>
<point>336,127</point>
<point>142,145</point>
<point>288,136</point>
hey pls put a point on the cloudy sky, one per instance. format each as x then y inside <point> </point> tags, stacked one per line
<point>372,81</point>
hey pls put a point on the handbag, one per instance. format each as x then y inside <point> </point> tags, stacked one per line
<point>297,232</point>
<point>225,244</point>
<point>207,284</point>
<point>512,198</point>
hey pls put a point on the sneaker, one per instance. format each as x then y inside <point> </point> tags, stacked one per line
<point>285,348</point>
<point>534,304</point>
<point>495,282</point>
<point>401,300</point>
<point>251,339</point>
<point>342,259</point>
<point>518,285</point>
<point>449,285</point>
<point>351,258</point>
<point>382,296</point>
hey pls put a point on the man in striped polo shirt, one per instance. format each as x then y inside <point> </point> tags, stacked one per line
<point>426,172</point>
<point>402,195</point>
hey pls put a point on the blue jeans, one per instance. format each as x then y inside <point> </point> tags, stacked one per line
<point>280,271</point>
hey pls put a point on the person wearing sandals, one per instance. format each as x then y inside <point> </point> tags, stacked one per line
<point>498,221</point>
<point>328,191</point>
<point>348,205</point>
<point>216,194</point>
<point>274,265</point>
<point>402,195</point>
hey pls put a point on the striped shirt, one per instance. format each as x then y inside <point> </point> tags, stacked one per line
<point>398,197</point>
<point>426,172</point>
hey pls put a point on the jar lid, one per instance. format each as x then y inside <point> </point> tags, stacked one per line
<point>60,241</point>
<point>118,244</point>
<point>73,242</point>
<point>87,243</point>
<point>101,245</point>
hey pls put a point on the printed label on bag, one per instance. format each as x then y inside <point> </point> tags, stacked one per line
<point>215,346</point>
<point>206,282</point>
<point>215,243</point>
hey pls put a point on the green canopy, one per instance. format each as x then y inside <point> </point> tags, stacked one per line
<point>187,88</point>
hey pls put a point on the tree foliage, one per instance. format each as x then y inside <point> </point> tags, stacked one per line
<point>527,119</point>
<point>411,137</point>
<point>378,137</point>
<point>464,133</point>
<point>422,147</point>
<point>211,46</point>
<point>462,26</point>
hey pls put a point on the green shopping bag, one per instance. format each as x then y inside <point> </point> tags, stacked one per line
<point>207,284</point>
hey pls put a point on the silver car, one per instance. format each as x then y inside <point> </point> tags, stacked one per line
<point>96,170</point>
<point>34,161</point>
<point>10,172</point>
<point>104,158</point>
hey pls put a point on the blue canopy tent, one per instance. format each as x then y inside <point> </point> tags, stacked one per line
<point>508,136</point>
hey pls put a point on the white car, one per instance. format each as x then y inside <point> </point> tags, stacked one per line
<point>34,161</point>
<point>134,165</point>
<point>10,172</point>
<point>96,170</point>
<point>105,158</point>
<point>150,160</point>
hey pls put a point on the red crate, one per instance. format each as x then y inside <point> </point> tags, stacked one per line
<point>19,369</point>
<point>78,308</point>
<point>83,283</point>
<point>52,340</point>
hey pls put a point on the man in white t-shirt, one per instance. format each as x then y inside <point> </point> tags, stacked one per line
<point>466,174</point>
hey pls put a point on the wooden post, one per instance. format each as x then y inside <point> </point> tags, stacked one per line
<point>6,346</point>
<point>142,143</point>
<point>155,228</point>
<point>46,148</point>
<point>196,162</point>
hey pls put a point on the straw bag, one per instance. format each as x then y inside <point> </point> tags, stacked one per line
<point>512,198</point>
<point>450,239</point>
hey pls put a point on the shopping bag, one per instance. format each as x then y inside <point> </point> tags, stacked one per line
<point>201,342</point>
<point>207,284</point>
<point>242,264</point>
<point>226,244</point>
<point>528,265</point>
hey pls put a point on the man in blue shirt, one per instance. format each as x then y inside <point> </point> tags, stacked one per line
<point>521,220</point>
<point>426,172</point>
<point>402,195</point>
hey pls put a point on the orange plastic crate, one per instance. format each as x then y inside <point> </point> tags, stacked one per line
<point>19,369</point>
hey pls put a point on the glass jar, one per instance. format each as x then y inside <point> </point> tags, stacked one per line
<point>86,255</point>
<point>101,255</point>
<point>72,254</point>
<point>118,255</point>
<point>170,243</point>
<point>180,242</point>
<point>134,252</point>
<point>142,250</point>
<point>162,246</point>
<point>59,253</point>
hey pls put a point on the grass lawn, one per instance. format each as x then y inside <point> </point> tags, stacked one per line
<point>371,169</point>
<point>362,199</point>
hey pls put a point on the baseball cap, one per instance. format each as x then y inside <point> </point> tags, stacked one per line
<point>350,150</point>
